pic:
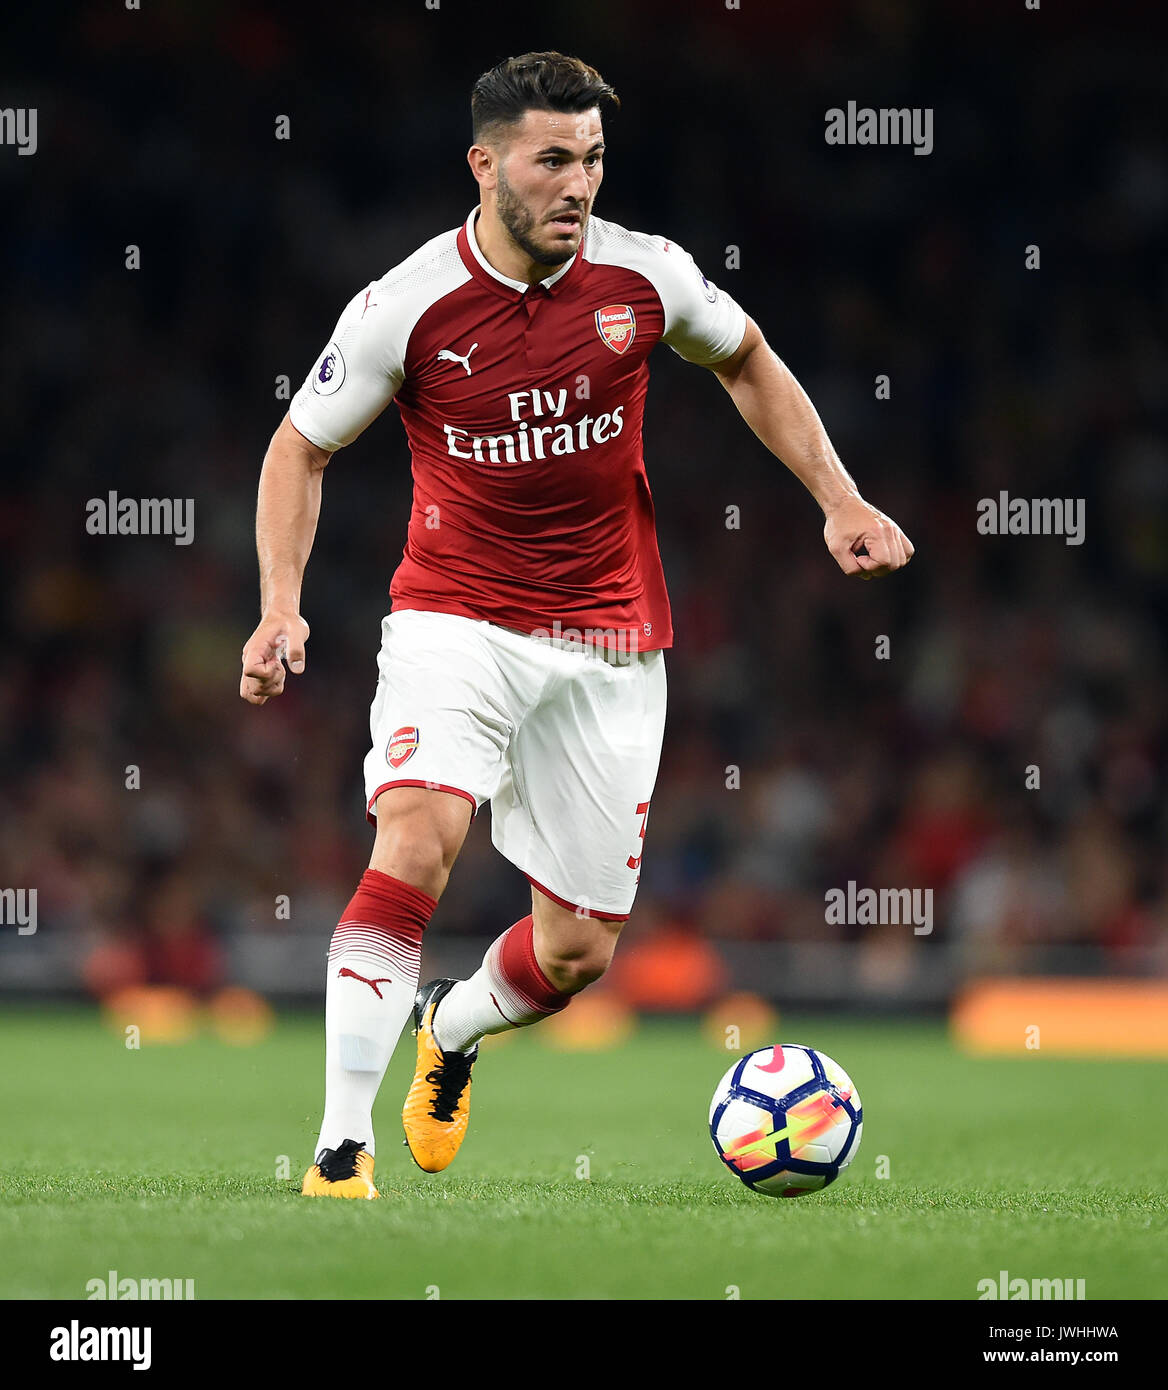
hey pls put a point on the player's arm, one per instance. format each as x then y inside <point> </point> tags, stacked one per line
<point>286,515</point>
<point>862,539</point>
<point>353,381</point>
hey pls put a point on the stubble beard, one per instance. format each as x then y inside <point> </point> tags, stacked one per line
<point>520,225</point>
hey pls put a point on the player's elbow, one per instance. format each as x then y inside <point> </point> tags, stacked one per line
<point>731,368</point>
<point>288,439</point>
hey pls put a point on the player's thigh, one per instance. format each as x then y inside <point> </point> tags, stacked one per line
<point>573,807</point>
<point>419,834</point>
<point>439,728</point>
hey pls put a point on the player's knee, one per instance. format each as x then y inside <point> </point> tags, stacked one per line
<point>572,968</point>
<point>418,842</point>
<point>573,976</point>
<point>417,862</point>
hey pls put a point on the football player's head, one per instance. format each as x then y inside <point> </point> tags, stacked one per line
<point>539,148</point>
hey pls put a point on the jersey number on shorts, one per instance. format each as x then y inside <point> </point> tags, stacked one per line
<point>643,812</point>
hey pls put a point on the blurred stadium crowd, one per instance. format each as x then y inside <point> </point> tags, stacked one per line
<point>1005,652</point>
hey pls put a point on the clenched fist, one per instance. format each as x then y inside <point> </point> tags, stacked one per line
<point>280,637</point>
<point>864,541</point>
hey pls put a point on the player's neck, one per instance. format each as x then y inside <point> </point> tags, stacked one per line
<point>508,258</point>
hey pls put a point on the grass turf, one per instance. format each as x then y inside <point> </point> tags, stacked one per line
<point>164,1162</point>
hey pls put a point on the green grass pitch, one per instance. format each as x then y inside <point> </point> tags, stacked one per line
<point>163,1162</point>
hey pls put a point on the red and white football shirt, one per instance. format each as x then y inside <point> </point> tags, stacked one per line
<point>523,408</point>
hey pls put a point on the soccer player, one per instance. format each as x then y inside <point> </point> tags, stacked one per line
<point>522,662</point>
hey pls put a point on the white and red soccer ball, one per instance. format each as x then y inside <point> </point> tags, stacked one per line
<point>786,1120</point>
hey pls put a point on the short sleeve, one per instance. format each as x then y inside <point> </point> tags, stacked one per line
<point>354,378</point>
<point>702,323</point>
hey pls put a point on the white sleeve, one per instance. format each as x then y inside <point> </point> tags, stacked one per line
<point>354,378</point>
<point>702,323</point>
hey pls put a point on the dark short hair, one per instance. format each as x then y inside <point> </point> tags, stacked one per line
<point>535,82</point>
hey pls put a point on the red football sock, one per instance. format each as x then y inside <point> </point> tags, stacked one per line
<point>509,990</point>
<point>372,979</point>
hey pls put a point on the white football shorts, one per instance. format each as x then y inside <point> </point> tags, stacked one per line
<point>561,738</point>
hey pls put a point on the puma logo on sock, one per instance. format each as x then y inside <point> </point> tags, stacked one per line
<point>344,970</point>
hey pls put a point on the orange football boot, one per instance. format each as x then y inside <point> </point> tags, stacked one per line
<point>343,1172</point>
<point>437,1107</point>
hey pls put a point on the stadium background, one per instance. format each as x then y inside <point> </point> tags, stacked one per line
<point>157,129</point>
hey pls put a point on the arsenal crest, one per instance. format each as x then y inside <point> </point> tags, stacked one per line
<point>617,325</point>
<point>402,745</point>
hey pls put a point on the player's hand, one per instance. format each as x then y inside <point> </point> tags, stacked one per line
<point>280,637</point>
<point>864,541</point>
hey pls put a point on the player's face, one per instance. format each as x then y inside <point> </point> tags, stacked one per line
<point>547,177</point>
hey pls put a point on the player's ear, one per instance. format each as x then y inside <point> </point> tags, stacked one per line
<point>482,163</point>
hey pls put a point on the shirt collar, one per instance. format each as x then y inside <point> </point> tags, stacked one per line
<point>521,286</point>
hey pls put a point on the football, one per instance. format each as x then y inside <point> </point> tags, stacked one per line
<point>786,1120</point>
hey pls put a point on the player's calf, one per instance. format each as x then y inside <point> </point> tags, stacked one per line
<point>509,990</point>
<point>530,972</point>
<point>572,950</point>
